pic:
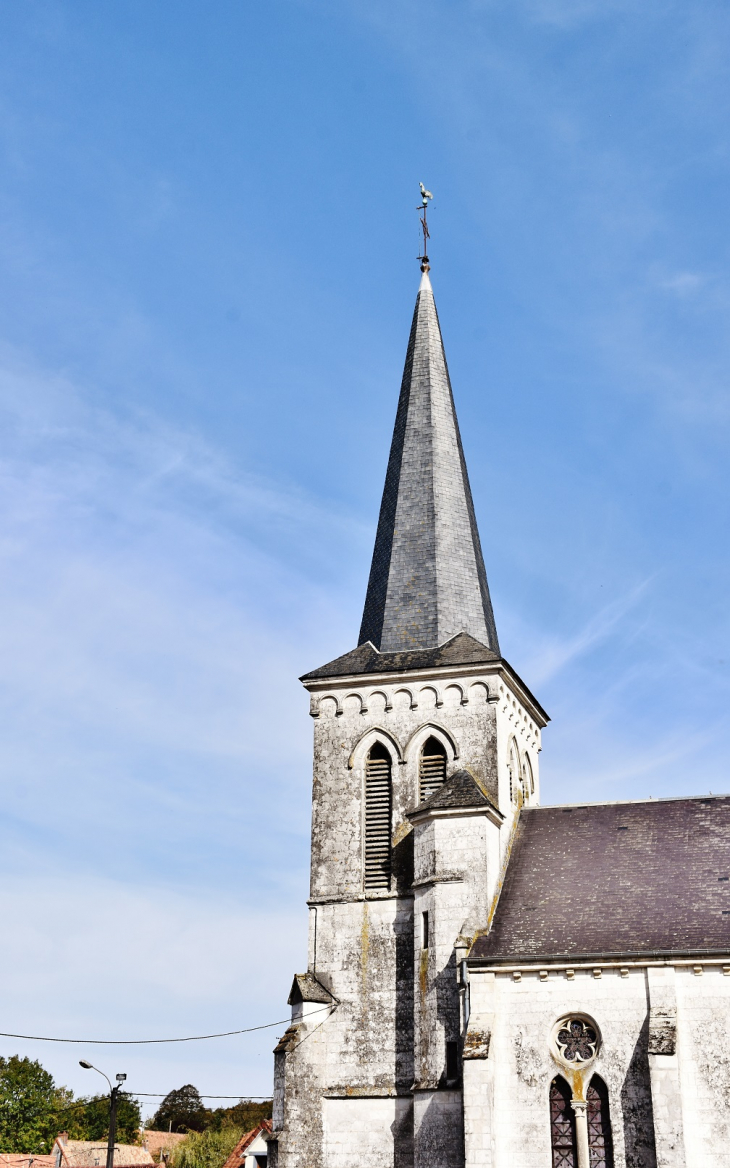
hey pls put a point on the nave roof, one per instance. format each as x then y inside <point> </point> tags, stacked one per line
<point>615,880</point>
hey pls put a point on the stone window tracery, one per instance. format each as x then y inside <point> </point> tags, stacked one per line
<point>576,1040</point>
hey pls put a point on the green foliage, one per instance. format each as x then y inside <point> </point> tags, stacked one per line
<point>33,1110</point>
<point>183,1109</point>
<point>246,1114</point>
<point>207,1149</point>
<point>88,1119</point>
<point>29,1106</point>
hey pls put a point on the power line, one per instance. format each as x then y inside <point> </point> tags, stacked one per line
<point>148,1041</point>
<point>239,1098</point>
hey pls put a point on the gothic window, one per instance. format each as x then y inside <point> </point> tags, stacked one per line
<point>513,765</point>
<point>431,768</point>
<point>562,1125</point>
<point>528,780</point>
<point>599,1125</point>
<point>378,800</point>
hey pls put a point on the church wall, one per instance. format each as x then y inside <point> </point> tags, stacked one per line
<point>363,1132</point>
<point>356,1059</point>
<point>365,958</point>
<point>703,1055</point>
<point>508,1091</point>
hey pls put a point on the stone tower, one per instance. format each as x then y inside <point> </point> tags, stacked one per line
<point>426,745</point>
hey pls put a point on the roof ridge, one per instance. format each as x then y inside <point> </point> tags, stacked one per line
<point>626,802</point>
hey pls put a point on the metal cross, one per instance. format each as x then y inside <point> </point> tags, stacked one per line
<point>423,208</point>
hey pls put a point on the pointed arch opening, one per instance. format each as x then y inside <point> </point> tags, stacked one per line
<point>431,768</point>
<point>378,813</point>
<point>562,1125</point>
<point>528,778</point>
<point>600,1141</point>
<point>515,775</point>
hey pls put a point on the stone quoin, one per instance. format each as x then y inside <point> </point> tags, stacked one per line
<point>490,983</point>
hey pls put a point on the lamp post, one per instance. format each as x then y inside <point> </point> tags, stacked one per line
<point>113,1097</point>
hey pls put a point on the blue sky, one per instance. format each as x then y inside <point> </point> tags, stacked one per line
<point>209,234</point>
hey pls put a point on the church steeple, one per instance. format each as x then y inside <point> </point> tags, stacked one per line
<point>427,580</point>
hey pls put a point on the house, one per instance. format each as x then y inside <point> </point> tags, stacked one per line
<point>252,1149</point>
<point>161,1143</point>
<point>491,983</point>
<point>92,1154</point>
<point>25,1160</point>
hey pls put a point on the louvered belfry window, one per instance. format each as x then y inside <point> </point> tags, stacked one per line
<point>432,768</point>
<point>377,818</point>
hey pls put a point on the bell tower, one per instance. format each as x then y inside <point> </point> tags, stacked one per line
<point>426,745</point>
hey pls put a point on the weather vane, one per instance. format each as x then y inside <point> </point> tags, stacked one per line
<point>423,208</point>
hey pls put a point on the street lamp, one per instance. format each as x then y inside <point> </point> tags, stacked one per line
<point>112,1108</point>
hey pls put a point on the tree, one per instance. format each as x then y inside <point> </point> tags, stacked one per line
<point>183,1109</point>
<point>245,1114</point>
<point>30,1104</point>
<point>207,1149</point>
<point>88,1119</point>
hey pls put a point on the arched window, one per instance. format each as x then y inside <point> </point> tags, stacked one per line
<point>513,764</point>
<point>431,768</point>
<point>562,1125</point>
<point>377,818</point>
<point>599,1125</point>
<point>528,779</point>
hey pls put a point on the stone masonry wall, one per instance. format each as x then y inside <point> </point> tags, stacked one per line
<point>506,1094</point>
<point>355,1066</point>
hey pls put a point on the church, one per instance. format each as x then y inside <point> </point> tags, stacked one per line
<point>490,983</point>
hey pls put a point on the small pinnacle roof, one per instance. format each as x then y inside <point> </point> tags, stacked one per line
<point>427,579</point>
<point>615,880</point>
<point>306,988</point>
<point>461,790</point>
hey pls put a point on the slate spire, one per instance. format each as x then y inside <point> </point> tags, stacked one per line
<point>427,579</point>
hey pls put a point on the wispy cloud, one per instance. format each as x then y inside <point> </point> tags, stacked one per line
<point>554,654</point>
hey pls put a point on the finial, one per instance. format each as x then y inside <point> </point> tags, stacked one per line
<point>423,208</point>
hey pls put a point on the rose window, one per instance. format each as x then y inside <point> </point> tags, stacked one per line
<point>576,1040</point>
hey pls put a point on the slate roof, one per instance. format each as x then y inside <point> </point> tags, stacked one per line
<point>306,988</point>
<point>461,790</point>
<point>615,880</point>
<point>427,579</point>
<point>461,649</point>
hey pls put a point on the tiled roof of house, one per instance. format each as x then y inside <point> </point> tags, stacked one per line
<point>92,1154</point>
<point>160,1141</point>
<point>238,1153</point>
<point>615,879</point>
<point>25,1159</point>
